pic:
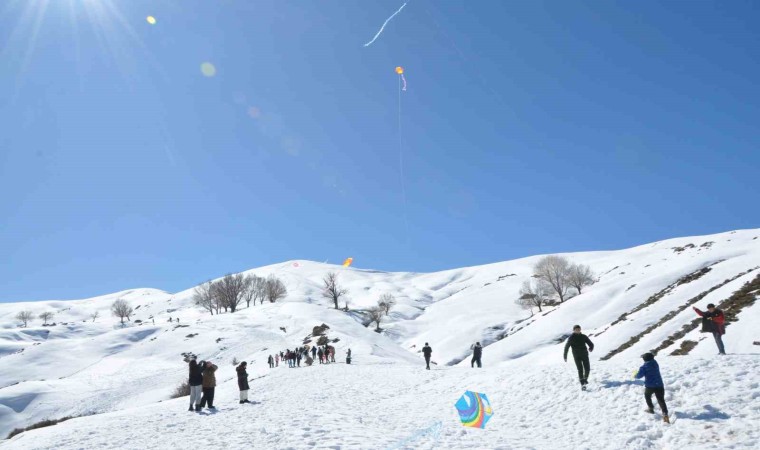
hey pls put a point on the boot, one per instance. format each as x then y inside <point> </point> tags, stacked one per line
<point>197,408</point>
<point>191,409</point>
<point>242,401</point>
<point>666,419</point>
<point>649,410</point>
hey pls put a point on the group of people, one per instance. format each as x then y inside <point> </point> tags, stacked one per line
<point>325,353</point>
<point>203,379</point>
<point>713,321</point>
<point>202,383</point>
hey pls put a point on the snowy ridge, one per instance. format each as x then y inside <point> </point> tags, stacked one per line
<point>81,367</point>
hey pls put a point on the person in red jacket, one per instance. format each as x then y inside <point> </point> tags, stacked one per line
<point>717,324</point>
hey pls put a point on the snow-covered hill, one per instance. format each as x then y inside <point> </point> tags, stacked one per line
<point>641,301</point>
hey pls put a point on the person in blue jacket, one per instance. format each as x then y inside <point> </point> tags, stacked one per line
<point>653,384</point>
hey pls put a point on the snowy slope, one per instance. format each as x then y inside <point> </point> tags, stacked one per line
<point>715,404</point>
<point>80,367</point>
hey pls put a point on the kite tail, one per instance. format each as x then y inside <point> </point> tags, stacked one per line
<point>404,80</point>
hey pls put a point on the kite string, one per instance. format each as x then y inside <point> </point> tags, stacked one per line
<point>401,162</point>
<point>383,26</point>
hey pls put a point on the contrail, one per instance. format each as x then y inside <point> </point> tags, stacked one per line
<point>383,27</point>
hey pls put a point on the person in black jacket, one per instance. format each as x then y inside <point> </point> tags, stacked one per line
<point>195,381</point>
<point>477,351</point>
<point>578,342</point>
<point>427,351</point>
<point>314,352</point>
<point>242,378</point>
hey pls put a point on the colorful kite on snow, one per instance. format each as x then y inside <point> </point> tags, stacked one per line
<point>474,409</point>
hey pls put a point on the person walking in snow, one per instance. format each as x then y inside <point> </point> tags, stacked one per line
<point>332,353</point>
<point>578,342</point>
<point>195,381</point>
<point>242,379</point>
<point>270,360</point>
<point>715,322</point>
<point>653,385</point>
<point>321,356</point>
<point>298,359</point>
<point>209,385</point>
<point>477,351</point>
<point>348,356</point>
<point>314,352</point>
<point>427,351</point>
<point>276,360</point>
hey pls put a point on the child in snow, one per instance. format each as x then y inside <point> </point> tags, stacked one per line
<point>653,385</point>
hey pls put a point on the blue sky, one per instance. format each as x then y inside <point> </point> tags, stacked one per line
<point>527,128</point>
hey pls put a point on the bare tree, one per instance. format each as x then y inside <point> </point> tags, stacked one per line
<point>275,289</point>
<point>580,276</point>
<point>376,314</point>
<point>25,317</point>
<point>534,293</point>
<point>94,316</point>
<point>386,302</point>
<point>204,297</point>
<point>554,270</point>
<point>121,309</point>
<point>47,315</point>
<point>230,290</point>
<point>255,290</point>
<point>331,290</point>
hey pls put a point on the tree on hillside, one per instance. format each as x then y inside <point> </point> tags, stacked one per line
<point>203,297</point>
<point>255,290</point>
<point>121,309</point>
<point>25,317</point>
<point>555,271</point>
<point>275,289</point>
<point>534,293</point>
<point>94,316</point>
<point>580,276</point>
<point>229,291</point>
<point>386,302</point>
<point>331,290</point>
<point>47,315</point>
<point>376,314</point>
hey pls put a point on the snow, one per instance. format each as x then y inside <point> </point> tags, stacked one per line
<point>115,374</point>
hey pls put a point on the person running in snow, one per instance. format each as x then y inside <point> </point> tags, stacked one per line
<point>477,351</point>
<point>195,381</point>
<point>427,351</point>
<point>578,342</point>
<point>653,385</point>
<point>717,321</point>
<point>209,385</point>
<point>242,378</point>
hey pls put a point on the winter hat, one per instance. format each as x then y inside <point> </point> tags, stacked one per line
<point>711,305</point>
<point>647,356</point>
<point>576,327</point>
<point>193,357</point>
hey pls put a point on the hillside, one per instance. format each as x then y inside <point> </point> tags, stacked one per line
<point>641,300</point>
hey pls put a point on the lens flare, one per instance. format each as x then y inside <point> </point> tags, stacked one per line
<point>208,69</point>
